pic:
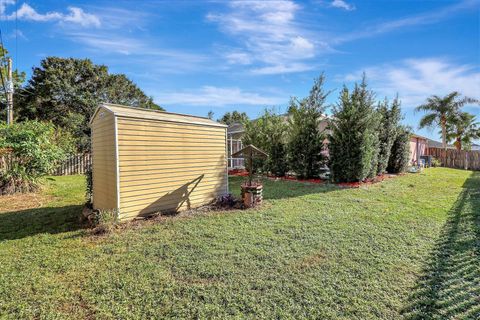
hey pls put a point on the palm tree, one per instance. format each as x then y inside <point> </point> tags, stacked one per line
<point>463,128</point>
<point>440,109</point>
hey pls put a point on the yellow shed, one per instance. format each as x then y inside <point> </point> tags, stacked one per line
<point>147,161</point>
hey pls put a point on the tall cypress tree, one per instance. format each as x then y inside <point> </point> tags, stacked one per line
<point>305,138</point>
<point>400,154</point>
<point>390,118</point>
<point>353,138</point>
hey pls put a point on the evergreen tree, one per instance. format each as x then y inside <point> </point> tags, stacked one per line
<point>305,138</point>
<point>276,143</point>
<point>400,154</point>
<point>389,121</point>
<point>353,139</point>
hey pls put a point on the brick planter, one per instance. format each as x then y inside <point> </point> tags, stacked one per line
<point>252,194</point>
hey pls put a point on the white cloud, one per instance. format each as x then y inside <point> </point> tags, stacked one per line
<point>276,69</point>
<point>416,79</point>
<point>216,97</point>
<point>425,18</point>
<point>268,35</point>
<point>108,43</point>
<point>79,16</point>
<point>4,4</point>
<point>342,5</point>
<point>17,34</point>
<point>242,58</point>
<point>74,16</point>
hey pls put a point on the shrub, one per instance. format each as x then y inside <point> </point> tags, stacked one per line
<point>268,134</point>
<point>277,161</point>
<point>390,117</point>
<point>400,154</point>
<point>36,148</point>
<point>436,162</point>
<point>353,139</point>
<point>305,143</point>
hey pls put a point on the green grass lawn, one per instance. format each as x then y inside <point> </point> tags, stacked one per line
<point>405,248</point>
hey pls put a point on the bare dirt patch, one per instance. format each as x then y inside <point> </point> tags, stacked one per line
<point>21,201</point>
<point>311,261</point>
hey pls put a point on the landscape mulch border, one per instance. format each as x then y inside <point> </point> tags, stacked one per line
<point>358,184</point>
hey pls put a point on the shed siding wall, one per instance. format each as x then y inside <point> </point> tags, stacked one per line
<point>104,173</point>
<point>168,166</point>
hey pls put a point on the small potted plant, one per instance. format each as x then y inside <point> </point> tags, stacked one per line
<point>252,191</point>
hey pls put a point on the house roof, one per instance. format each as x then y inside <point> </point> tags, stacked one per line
<point>235,127</point>
<point>142,113</point>
<point>437,144</point>
<point>417,136</point>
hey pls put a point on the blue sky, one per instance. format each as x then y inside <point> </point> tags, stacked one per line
<point>196,56</point>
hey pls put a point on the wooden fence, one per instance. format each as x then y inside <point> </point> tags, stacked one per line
<point>75,164</point>
<point>453,158</point>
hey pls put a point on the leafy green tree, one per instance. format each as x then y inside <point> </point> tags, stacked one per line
<point>441,109</point>
<point>232,117</point>
<point>462,128</point>
<point>390,116</point>
<point>269,134</point>
<point>67,91</point>
<point>36,148</point>
<point>400,154</point>
<point>305,143</point>
<point>353,138</point>
<point>255,133</point>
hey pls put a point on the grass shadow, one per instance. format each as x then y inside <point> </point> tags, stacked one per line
<point>30,222</point>
<point>449,287</point>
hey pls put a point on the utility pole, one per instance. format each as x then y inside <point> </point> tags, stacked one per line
<point>9,92</point>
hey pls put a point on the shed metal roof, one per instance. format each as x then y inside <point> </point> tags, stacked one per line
<point>149,114</point>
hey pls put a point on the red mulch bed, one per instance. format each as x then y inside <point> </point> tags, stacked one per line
<point>293,178</point>
<point>366,182</point>
<point>238,172</point>
<point>244,173</point>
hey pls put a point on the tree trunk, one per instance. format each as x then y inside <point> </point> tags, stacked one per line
<point>458,144</point>
<point>444,132</point>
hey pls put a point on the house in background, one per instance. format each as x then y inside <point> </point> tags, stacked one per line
<point>418,144</point>
<point>475,147</point>
<point>235,133</point>
<point>418,148</point>
<point>438,144</point>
